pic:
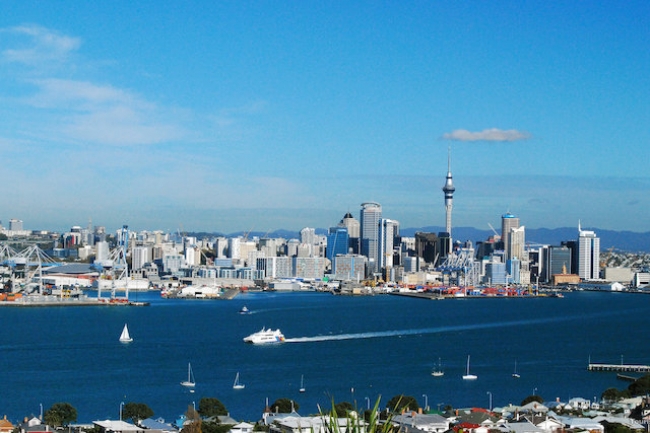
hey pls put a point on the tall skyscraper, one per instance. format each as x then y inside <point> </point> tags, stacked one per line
<point>448,189</point>
<point>516,244</point>
<point>508,222</point>
<point>337,244</point>
<point>370,215</point>
<point>388,230</point>
<point>354,230</point>
<point>588,254</point>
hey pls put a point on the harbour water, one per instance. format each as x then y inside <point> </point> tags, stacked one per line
<point>352,349</point>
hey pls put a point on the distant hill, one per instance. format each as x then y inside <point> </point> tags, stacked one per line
<point>622,241</point>
<point>619,240</point>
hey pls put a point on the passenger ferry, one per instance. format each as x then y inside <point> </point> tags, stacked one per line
<point>265,336</point>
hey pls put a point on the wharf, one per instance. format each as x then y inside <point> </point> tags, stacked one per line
<point>53,301</point>
<point>635,368</point>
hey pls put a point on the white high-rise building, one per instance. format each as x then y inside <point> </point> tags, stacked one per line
<point>388,229</point>
<point>588,254</point>
<point>516,244</point>
<point>140,256</point>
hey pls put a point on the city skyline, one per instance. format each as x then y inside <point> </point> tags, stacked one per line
<point>232,117</point>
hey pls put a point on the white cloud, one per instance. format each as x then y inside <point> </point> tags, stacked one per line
<point>493,134</point>
<point>45,45</point>
<point>103,114</point>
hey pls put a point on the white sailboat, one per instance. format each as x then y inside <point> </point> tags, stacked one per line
<point>125,337</point>
<point>468,376</point>
<point>189,383</point>
<point>237,384</point>
<point>516,375</point>
<point>302,383</point>
<point>438,372</point>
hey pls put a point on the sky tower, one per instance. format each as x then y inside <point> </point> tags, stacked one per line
<point>448,189</point>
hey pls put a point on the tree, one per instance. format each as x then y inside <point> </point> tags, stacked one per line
<point>284,405</point>
<point>343,407</point>
<point>641,386</point>
<point>210,406</point>
<point>399,402</point>
<point>193,421</point>
<point>60,414</point>
<point>136,412</point>
<point>532,398</point>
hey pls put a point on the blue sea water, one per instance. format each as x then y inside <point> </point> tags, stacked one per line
<point>354,349</point>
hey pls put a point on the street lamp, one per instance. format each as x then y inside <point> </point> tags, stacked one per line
<point>368,402</point>
<point>534,391</point>
<point>490,394</point>
<point>439,404</point>
<point>121,406</point>
<point>426,402</point>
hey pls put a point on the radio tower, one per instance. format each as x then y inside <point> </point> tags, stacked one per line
<point>448,189</point>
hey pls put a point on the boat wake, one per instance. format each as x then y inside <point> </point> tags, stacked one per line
<point>436,330</point>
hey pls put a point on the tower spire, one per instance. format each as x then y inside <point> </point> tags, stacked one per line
<point>448,190</point>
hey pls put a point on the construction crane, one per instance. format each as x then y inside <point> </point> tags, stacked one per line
<point>494,231</point>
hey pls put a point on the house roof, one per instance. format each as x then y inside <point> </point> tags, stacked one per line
<point>157,424</point>
<point>523,427</point>
<point>118,426</point>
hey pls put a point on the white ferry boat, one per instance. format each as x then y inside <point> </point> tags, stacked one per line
<point>265,336</point>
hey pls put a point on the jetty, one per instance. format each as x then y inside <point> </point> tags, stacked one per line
<point>630,368</point>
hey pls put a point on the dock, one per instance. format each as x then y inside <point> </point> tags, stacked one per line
<point>630,368</point>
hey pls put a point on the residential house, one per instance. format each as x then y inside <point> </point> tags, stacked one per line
<point>6,426</point>
<point>109,426</point>
<point>422,422</point>
<point>242,427</point>
<point>314,424</point>
<point>521,427</point>
<point>159,425</point>
<point>580,403</point>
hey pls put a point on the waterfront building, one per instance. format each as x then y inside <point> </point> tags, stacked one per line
<point>620,274</point>
<point>370,216</point>
<point>495,273</point>
<point>508,222</point>
<point>308,267</point>
<point>275,267</point>
<point>350,267</point>
<point>513,269</point>
<point>588,254</point>
<point>557,259</point>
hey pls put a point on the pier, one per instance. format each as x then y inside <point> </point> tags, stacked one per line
<point>634,368</point>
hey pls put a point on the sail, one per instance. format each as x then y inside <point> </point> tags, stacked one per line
<point>237,384</point>
<point>125,337</point>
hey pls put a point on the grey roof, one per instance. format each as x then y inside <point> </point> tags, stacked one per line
<point>157,424</point>
<point>72,268</point>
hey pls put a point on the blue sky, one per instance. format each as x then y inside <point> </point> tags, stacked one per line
<point>226,116</point>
